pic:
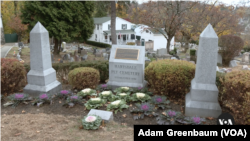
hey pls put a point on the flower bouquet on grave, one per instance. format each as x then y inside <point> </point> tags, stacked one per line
<point>143,109</point>
<point>87,92</point>
<point>168,117</point>
<point>160,101</point>
<point>103,87</point>
<point>123,90</point>
<point>107,95</point>
<point>123,96</point>
<point>142,90</point>
<point>140,97</point>
<point>16,99</point>
<point>41,99</point>
<point>72,100</point>
<point>91,122</point>
<point>94,103</point>
<point>191,120</point>
<point>117,105</point>
<point>63,94</point>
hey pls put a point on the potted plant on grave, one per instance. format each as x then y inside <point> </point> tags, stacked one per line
<point>123,96</point>
<point>41,99</point>
<point>140,97</point>
<point>94,103</point>
<point>91,122</point>
<point>117,105</point>
<point>87,92</point>
<point>72,100</point>
<point>63,94</point>
<point>160,101</point>
<point>123,90</point>
<point>143,109</point>
<point>168,117</point>
<point>142,90</point>
<point>16,99</point>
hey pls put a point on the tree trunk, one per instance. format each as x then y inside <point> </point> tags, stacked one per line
<point>168,44</point>
<point>113,23</point>
<point>56,50</point>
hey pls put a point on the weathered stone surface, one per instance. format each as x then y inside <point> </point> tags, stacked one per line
<point>232,63</point>
<point>41,77</point>
<point>245,58</point>
<point>203,97</point>
<point>107,116</point>
<point>161,51</point>
<point>83,52</point>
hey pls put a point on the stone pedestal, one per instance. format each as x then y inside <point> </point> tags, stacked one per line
<point>41,77</point>
<point>203,97</point>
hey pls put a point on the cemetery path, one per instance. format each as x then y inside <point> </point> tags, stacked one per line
<point>4,50</point>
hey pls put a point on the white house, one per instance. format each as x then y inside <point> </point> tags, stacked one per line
<point>102,31</point>
<point>150,34</point>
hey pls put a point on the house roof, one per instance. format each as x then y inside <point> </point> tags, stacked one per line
<point>155,31</point>
<point>101,20</point>
<point>120,31</point>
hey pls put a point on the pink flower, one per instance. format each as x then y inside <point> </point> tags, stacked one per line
<point>104,85</point>
<point>145,107</point>
<point>64,92</point>
<point>171,113</point>
<point>159,100</point>
<point>19,96</point>
<point>90,118</point>
<point>196,119</point>
<point>44,96</point>
<point>73,97</point>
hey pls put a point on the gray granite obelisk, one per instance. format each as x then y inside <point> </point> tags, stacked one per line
<point>41,77</point>
<point>202,100</point>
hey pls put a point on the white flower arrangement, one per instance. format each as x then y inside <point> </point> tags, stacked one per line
<point>140,95</point>
<point>106,93</point>
<point>117,102</point>
<point>95,99</point>
<point>87,92</point>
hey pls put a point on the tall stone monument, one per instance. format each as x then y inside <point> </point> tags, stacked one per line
<point>41,77</point>
<point>126,66</point>
<point>202,100</point>
<point>2,39</point>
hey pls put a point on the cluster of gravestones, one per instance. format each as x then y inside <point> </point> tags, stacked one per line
<point>105,53</point>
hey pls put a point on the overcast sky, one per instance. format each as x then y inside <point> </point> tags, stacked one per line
<point>233,2</point>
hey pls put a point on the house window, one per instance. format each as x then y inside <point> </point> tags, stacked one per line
<point>124,26</point>
<point>132,36</point>
<point>146,31</point>
<point>98,27</point>
<point>118,36</point>
<point>109,27</point>
<point>106,37</point>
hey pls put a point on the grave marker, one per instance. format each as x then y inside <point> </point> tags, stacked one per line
<point>202,100</point>
<point>41,77</point>
<point>127,71</point>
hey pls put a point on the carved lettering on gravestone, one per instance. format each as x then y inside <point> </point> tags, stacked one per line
<point>130,54</point>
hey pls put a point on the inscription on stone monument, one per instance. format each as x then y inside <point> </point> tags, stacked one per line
<point>130,54</point>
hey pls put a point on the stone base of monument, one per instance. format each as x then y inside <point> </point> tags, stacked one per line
<point>115,84</point>
<point>36,90</point>
<point>107,116</point>
<point>201,108</point>
<point>202,100</point>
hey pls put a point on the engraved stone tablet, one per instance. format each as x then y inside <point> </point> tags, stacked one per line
<point>124,53</point>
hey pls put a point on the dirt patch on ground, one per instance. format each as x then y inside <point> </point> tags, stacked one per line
<point>51,127</point>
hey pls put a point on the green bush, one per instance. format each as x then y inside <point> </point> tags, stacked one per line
<point>84,77</point>
<point>170,77</point>
<point>192,52</point>
<point>62,69</point>
<point>236,95</point>
<point>246,48</point>
<point>13,76</point>
<point>130,43</point>
<point>98,44</point>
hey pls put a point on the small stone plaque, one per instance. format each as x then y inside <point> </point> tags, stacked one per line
<point>130,54</point>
